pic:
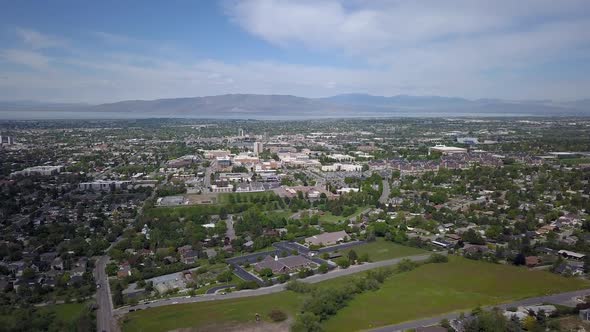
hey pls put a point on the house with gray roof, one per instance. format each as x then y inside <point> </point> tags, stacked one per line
<point>284,265</point>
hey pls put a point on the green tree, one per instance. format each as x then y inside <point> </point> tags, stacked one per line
<point>352,256</point>
<point>343,262</point>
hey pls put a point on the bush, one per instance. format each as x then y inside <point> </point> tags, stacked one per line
<point>307,322</point>
<point>364,258</point>
<point>304,273</point>
<point>277,315</point>
<point>202,270</point>
<point>343,262</point>
<point>406,265</point>
<point>266,272</point>
<point>225,276</point>
<point>437,258</point>
<point>323,268</point>
<point>247,285</point>
<point>299,287</point>
<point>282,278</point>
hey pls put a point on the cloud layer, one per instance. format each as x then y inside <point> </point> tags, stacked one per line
<point>509,49</point>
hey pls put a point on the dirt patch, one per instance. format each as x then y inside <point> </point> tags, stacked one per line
<point>241,327</point>
<point>573,323</point>
<point>198,199</point>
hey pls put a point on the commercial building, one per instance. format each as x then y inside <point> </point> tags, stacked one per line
<point>327,239</point>
<point>212,154</point>
<point>446,149</point>
<point>103,185</point>
<point>284,265</point>
<point>258,148</point>
<point>226,189</point>
<point>39,170</point>
<point>223,161</point>
<point>6,140</point>
<point>342,167</point>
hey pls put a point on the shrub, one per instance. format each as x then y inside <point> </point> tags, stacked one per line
<point>277,315</point>
<point>364,258</point>
<point>406,265</point>
<point>304,273</point>
<point>437,258</point>
<point>225,276</point>
<point>266,272</point>
<point>343,262</point>
<point>323,268</point>
<point>247,285</point>
<point>282,278</point>
<point>299,287</point>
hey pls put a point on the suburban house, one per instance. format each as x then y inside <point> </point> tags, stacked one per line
<point>284,265</point>
<point>124,270</point>
<point>571,254</point>
<point>189,257</point>
<point>327,239</point>
<point>532,261</point>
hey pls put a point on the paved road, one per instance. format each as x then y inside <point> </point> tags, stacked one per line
<point>271,289</point>
<point>562,298</point>
<point>229,222</point>
<point>104,313</point>
<point>213,290</point>
<point>245,275</point>
<point>290,246</point>
<point>251,258</point>
<point>385,193</point>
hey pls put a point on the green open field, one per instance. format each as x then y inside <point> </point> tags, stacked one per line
<point>436,289</point>
<point>427,291</point>
<point>210,314</point>
<point>575,161</point>
<point>330,218</point>
<point>381,250</point>
<point>227,198</point>
<point>68,312</point>
<point>65,315</point>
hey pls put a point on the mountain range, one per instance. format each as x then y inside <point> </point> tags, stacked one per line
<point>254,106</point>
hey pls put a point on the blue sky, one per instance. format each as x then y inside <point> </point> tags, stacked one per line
<point>102,51</point>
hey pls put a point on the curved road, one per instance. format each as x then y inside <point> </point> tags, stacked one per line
<point>214,290</point>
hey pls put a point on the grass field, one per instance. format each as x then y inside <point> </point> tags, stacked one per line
<point>65,315</point>
<point>427,291</point>
<point>575,161</point>
<point>381,250</point>
<point>227,198</point>
<point>68,312</point>
<point>435,289</point>
<point>330,218</point>
<point>210,314</point>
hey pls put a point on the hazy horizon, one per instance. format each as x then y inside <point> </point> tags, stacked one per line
<point>107,51</point>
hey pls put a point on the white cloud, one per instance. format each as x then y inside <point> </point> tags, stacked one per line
<point>38,40</point>
<point>370,25</point>
<point>24,57</point>
<point>404,47</point>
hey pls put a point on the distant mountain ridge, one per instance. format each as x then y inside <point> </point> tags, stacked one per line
<point>288,106</point>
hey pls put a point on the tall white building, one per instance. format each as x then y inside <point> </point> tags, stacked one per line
<point>258,148</point>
